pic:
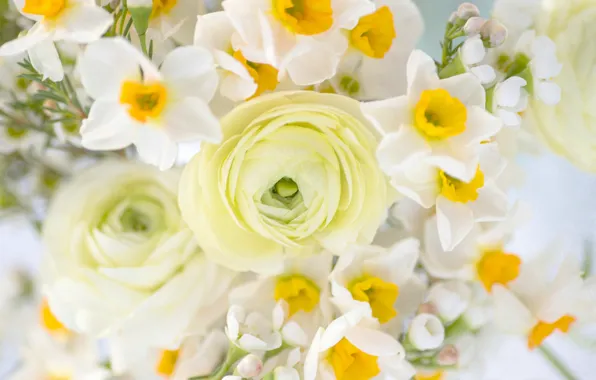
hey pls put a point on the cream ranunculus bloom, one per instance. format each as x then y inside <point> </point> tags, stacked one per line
<point>568,127</point>
<point>295,171</point>
<point>120,259</point>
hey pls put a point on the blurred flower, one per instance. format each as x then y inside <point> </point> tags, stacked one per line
<point>426,332</point>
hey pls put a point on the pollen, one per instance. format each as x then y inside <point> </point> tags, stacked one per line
<point>161,7</point>
<point>307,17</point>
<point>50,322</point>
<point>380,295</point>
<point>374,33</point>
<point>350,363</point>
<point>497,267</point>
<point>438,115</point>
<point>145,101</point>
<point>167,363</point>
<point>459,191</point>
<point>264,75</point>
<point>49,9</point>
<point>299,292</point>
<point>543,330</point>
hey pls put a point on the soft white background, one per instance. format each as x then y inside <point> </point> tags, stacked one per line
<point>564,209</point>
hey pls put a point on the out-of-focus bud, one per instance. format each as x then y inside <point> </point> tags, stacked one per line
<point>426,332</point>
<point>493,33</point>
<point>453,18</point>
<point>467,10</point>
<point>428,308</point>
<point>450,298</point>
<point>448,356</point>
<point>250,366</point>
<point>474,25</point>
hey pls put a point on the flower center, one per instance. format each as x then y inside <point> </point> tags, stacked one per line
<point>162,7</point>
<point>264,75</point>
<point>497,267</point>
<point>350,363</point>
<point>350,85</point>
<point>380,295</point>
<point>306,17</point>
<point>46,8</point>
<point>459,191</point>
<point>167,363</point>
<point>144,100</point>
<point>374,33</point>
<point>50,322</point>
<point>285,187</point>
<point>439,115</point>
<point>439,375</point>
<point>298,291</point>
<point>16,133</point>
<point>543,330</point>
<point>135,221</point>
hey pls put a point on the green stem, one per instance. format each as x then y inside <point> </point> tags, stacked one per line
<point>234,354</point>
<point>556,362</point>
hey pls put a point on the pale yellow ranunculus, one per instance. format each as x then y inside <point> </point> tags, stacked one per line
<point>569,128</point>
<point>295,171</point>
<point>120,260</point>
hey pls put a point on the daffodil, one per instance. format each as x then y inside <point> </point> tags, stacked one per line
<point>135,103</point>
<point>79,21</point>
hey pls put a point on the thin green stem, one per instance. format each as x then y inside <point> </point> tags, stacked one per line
<point>556,362</point>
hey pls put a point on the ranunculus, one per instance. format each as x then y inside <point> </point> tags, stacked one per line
<point>569,128</point>
<point>295,171</point>
<point>121,260</point>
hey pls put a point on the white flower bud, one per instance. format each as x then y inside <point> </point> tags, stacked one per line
<point>493,33</point>
<point>450,298</point>
<point>250,366</point>
<point>467,10</point>
<point>453,18</point>
<point>426,332</point>
<point>448,355</point>
<point>474,25</point>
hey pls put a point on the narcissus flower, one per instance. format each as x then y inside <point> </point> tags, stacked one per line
<point>295,171</point>
<point>79,21</point>
<point>135,103</point>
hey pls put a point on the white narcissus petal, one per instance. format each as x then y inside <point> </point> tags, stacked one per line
<point>236,82</point>
<point>419,63</point>
<point>108,127</point>
<point>467,88</point>
<point>454,221</point>
<point>509,92</point>
<point>455,160</point>
<point>473,51</point>
<point>191,119</point>
<point>106,64</point>
<point>549,93</point>
<point>397,149</point>
<point>480,126</point>
<point>426,332</point>
<point>213,31</point>
<point>45,59</point>
<point>511,315</point>
<point>491,204</point>
<point>190,71</point>
<point>311,363</point>
<point>155,147</point>
<point>293,334</point>
<point>485,73</point>
<point>374,342</point>
<point>509,118</point>
<point>252,343</point>
<point>387,115</point>
<point>346,13</point>
<point>83,24</point>
<point>419,183</point>
<point>21,44</point>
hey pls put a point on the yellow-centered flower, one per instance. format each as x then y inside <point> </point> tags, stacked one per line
<point>299,292</point>
<point>145,101</point>
<point>162,6</point>
<point>374,33</point>
<point>497,267</point>
<point>264,75</point>
<point>459,191</point>
<point>306,17</point>
<point>350,363</point>
<point>49,9</point>
<point>50,322</point>
<point>379,294</point>
<point>439,115</point>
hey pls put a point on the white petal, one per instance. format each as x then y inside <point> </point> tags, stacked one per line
<point>346,13</point>
<point>191,119</point>
<point>549,93</point>
<point>509,118</point>
<point>190,71</point>
<point>373,342</point>
<point>311,362</point>
<point>491,204</point>
<point>213,31</point>
<point>467,88</point>
<point>419,183</point>
<point>456,160</point>
<point>294,335</point>
<point>509,92</point>
<point>387,115</point>
<point>480,126</point>
<point>107,63</point>
<point>45,59</point>
<point>35,35</point>
<point>83,24</point>
<point>418,63</point>
<point>454,222</point>
<point>108,127</point>
<point>511,315</point>
<point>473,51</point>
<point>485,73</point>
<point>399,148</point>
<point>426,332</point>
<point>155,147</point>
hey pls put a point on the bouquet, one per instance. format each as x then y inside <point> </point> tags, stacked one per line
<point>285,189</point>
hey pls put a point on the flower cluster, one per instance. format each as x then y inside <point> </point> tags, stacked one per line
<point>344,212</point>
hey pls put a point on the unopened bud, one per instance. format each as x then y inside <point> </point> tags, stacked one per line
<point>493,33</point>
<point>448,356</point>
<point>453,18</point>
<point>426,332</point>
<point>427,308</point>
<point>474,25</point>
<point>467,10</point>
<point>250,366</point>
<point>450,299</point>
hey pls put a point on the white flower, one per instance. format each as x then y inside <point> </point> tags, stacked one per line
<point>154,110</point>
<point>175,18</point>
<point>439,122</point>
<point>543,301</point>
<point>120,261</point>
<point>516,15</point>
<point>14,138</point>
<point>510,100</point>
<point>240,79</point>
<point>426,332</point>
<point>386,273</point>
<point>450,298</point>
<point>79,21</point>
<point>288,371</point>
<point>303,38</point>
<point>473,54</point>
<point>380,44</point>
<point>252,332</point>
<point>353,345</point>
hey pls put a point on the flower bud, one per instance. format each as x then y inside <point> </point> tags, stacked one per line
<point>474,25</point>
<point>450,298</point>
<point>467,10</point>
<point>426,332</point>
<point>448,356</point>
<point>493,33</point>
<point>453,18</point>
<point>428,308</point>
<point>249,366</point>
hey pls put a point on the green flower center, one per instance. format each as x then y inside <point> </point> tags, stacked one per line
<point>285,187</point>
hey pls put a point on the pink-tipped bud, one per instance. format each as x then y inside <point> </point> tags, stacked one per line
<point>467,10</point>
<point>428,308</point>
<point>493,33</point>
<point>474,25</point>
<point>448,355</point>
<point>250,366</point>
